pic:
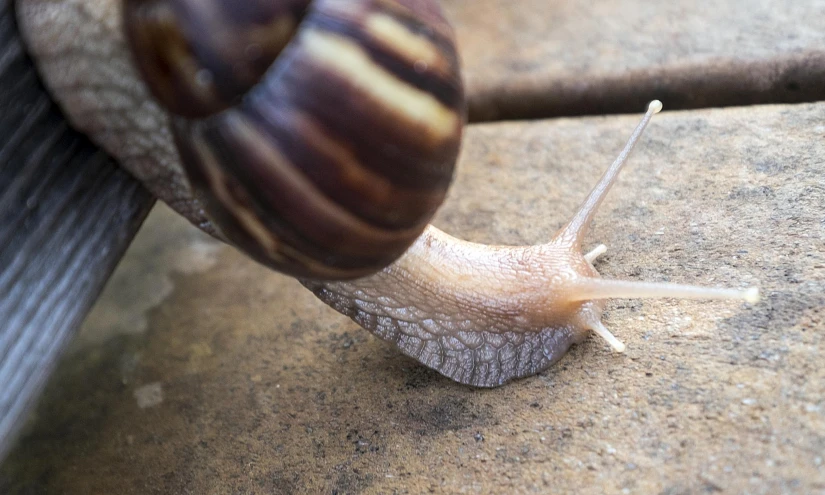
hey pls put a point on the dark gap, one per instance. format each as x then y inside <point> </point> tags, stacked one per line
<point>798,78</point>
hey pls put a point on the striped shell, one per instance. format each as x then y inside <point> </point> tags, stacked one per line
<point>321,136</point>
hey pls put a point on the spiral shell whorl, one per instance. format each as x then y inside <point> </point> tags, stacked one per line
<point>199,57</point>
<point>334,162</point>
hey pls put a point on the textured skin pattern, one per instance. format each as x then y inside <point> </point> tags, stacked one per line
<point>81,52</point>
<point>504,295</point>
<point>486,358</point>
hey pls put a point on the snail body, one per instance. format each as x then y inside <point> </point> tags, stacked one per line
<point>482,315</point>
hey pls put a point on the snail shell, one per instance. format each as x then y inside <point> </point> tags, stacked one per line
<point>321,136</point>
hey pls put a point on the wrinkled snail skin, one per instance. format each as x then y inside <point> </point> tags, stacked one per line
<point>481,315</point>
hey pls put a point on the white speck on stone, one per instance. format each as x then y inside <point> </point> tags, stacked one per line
<point>149,395</point>
<point>749,402</point>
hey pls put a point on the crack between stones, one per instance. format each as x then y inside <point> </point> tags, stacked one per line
<point>721,82</point>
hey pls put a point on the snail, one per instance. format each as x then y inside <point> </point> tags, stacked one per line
<point>320,137</point>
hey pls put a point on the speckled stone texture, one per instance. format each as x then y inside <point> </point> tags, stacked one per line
<point>244,383</point>
<point>539,58</point>
<point>201,372</point>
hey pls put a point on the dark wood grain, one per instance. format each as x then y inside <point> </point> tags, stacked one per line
<point>67,214</point>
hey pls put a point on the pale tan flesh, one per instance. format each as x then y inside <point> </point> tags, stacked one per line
<point>479,314</point>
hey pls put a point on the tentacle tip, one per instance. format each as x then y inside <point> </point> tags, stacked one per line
<point>595,253</point>
<point>751,295</point>
<point>616,344</point>
<point>655,106</point>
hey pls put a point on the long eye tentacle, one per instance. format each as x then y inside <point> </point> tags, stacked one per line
<point>576,228</point>
<point>589,289</point>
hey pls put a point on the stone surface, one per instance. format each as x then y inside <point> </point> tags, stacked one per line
<point>534,58</point>
<point>244,383</point>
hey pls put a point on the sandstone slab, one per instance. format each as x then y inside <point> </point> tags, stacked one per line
<point>243,383</point>
<point>534,58</point>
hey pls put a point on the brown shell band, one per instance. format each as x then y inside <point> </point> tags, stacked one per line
<point>333,163</point>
